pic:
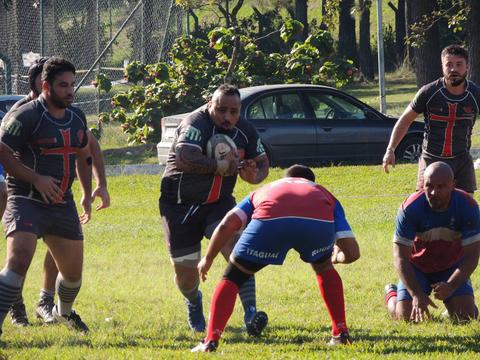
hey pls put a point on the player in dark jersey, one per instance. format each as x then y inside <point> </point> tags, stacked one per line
<point>436,248</point>
<point>450,106</point>
<point>42,145</point>
<point>196,192</point>
<point>291,213</point>
<point>46,302</point>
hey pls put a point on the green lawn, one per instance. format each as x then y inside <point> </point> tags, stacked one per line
<point>130,302</point>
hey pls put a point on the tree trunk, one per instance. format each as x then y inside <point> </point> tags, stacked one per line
<point>347,44</point>
<point>474,41</point>
<point>301,14</point>
<point>366,61</point>
<point>400,31</point>
<point>427,56</point>
<point>409,21</point>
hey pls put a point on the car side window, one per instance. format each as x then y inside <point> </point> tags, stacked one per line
<point>279,106</point>
<point>328,106</point>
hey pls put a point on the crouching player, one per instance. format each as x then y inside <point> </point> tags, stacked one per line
<point>293,212</point>
<point>436,248</point>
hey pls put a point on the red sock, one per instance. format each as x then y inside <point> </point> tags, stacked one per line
<point>331,288</point>
<point>389,295</point>
<point>221,308</point>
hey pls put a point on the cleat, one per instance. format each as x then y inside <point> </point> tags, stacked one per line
<point>44,310</point>
<point>196,320</point>
<point>206,346</point>
<point>73,320</point>
<point>342,339</point>
<point>19,314</point>
<point>257,323</point>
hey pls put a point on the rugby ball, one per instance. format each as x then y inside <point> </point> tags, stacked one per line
<point>219,146</point>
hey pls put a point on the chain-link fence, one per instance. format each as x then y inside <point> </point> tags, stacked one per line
<point>81,31</point>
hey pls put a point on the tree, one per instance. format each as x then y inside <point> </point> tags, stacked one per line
<point>427,55</point>
<point>366,61</point>
<point>301,14</point>
<point>400,28</point>
<point>474,40</point>
<point>347,44</point>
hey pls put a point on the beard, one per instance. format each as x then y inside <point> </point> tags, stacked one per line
<point>58,101</point>
<point>456,79</point>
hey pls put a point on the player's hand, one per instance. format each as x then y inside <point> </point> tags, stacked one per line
<point>48,188</point>
<point>248,171</point>
<point>229,165</point>
<point>335,252</point>
<point>203,267</point>
<point>388,159</point>
<point>420,306</point>
<point>102,193</point>
<point>86,203</point>
<point>442,290</point>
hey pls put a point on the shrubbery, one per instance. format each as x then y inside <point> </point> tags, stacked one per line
<point>198,66</point>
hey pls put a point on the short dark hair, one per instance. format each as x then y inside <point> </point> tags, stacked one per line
<point>455,50</point>
<point>300,171</point>
<point>35,70</point>
<point>55,66</point>
<point>228,89</point>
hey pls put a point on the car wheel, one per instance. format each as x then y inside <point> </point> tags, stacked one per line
<point>409,150</point>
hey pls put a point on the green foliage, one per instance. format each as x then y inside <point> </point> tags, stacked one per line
<point>102,83</point>
<point>290,30</point>
<point>198,66</point>
<point>452,12</point>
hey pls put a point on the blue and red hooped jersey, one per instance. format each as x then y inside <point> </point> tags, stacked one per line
<point>45,144</point>
<point>437,238</point>
<point>294,198</point>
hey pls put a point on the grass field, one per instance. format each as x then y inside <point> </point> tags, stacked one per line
<point>135,312</point>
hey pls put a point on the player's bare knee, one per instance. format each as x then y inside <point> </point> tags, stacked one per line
<point>19,261</point>
<point>403,310</point>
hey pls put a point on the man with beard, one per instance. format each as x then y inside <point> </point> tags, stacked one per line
<point>450,106</point>
<point>41,145</point>
<point>197,191</point>
<point>47,293</point>
<point>436,248</point>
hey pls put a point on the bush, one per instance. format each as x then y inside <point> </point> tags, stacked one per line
<point>198,66</point>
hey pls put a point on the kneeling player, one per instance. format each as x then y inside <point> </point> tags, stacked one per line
<point>436,248</point>
<point>293,212</point>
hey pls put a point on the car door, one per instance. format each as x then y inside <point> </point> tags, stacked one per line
<point>345,128</point>
<point>282,122</point>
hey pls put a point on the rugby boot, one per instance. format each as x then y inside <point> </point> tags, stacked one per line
<point>44,310</point>
<point>343,339</point>
<point>196,320</point>
<point>19,314</point>
<point>73,320</point>
<point>255,322</point>
<point>206,346</point>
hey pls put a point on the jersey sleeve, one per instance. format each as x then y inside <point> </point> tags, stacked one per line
<point>419,102</point>
<point>244,210</point>
<point>83,119</point>
<point>471,224</point>
<point>342,228</point>
<point>405,229</point>
<point>192,131</point>
<point>254,147</point>
<point>16,129</point>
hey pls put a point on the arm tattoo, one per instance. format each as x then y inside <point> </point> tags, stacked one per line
<point>191,160</point>
<point>262,166</point>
